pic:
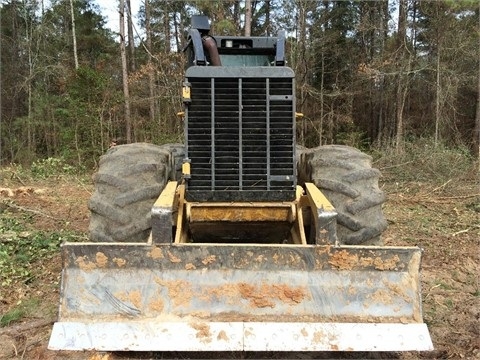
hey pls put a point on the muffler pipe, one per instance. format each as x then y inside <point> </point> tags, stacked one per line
<point>210,45</point>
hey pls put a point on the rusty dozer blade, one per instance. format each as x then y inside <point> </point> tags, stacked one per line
<point>204,297</point>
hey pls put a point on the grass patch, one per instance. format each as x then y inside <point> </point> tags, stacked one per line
<point>423,160</point>
<point>474,205</point>
<point>52,169</point>
<point>43,169</point>
<point>20,249</point>
<point>11,316</point>
<point>23,309</point>
<point>444,286</point>
<point>449,303</point>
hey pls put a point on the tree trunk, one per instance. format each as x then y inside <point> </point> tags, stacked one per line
<point>123,56</point>
<point>74,35</point>
<point>248,17</point>
<point>476,131</point>
<point>181,31</point>
<point>236,17</point>
<point>151,70</point>
<point>177,34</point>
<point>383,36</point>
<point>166,28</point>
<point>28,38</point>
<point>267,17</point>
<point>402,90</point>
<point>402,87</point>
<point>322,106</point>
<point>438,92</point>
<point>131,41</point>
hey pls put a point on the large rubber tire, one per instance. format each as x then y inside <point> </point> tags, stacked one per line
<point>346,177</point>
<point>129,179</point>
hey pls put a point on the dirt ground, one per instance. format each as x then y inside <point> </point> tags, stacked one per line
<point>442,219</point>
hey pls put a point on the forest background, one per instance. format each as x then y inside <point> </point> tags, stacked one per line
<point>378,75</point>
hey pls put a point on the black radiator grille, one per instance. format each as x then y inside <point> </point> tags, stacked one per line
<point>240,139</point>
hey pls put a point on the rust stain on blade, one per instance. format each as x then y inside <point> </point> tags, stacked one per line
<point>265,294</point>
<point>258,299</point>
<point>222,335</point>
<point>290,295</point>
<point>155,253</point>
<point>209,259</point>
<point>381,297</point>
<point>366,261</point>
<point>157,305</point>
<point>85,264</point>
<point>399,289</point>
<point>120,262</point>
<point>324,249</point>
<point>190,266</point>
<point>203,332</point>
<point>101,259</point>
<point>173,258</point>
<point>343,260</point>
<point>387,264</point>
<point>228,291</point>
<point>135,298</point>
<point>318,337</point>
<point>179,291</point>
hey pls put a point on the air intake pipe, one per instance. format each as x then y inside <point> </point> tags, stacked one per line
<point>210,46</point>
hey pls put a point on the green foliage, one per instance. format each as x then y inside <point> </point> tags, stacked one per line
<point>225,27</point>
<point>49,108</point>
<point>87,85</point>
<point>11,316</point>
<point>23,308</point>
<point>344,53</point>
<point>422,160</point>
<point>475,205</point>
<point>352,137</point>
<point>20,248</point>
<point>45,168</point>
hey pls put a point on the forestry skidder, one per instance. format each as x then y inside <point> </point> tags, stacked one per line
<point>243,250</point>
